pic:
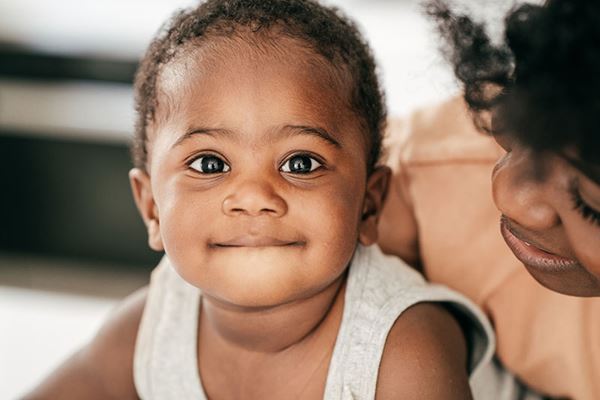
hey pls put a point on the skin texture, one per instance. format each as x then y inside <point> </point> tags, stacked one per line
<point>269,246</point>
<point>535,193</point>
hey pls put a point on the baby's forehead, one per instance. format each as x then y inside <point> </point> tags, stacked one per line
<point>254,56</point>
<point>211,73</point>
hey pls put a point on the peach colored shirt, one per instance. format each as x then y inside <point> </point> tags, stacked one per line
<point>440,211</point>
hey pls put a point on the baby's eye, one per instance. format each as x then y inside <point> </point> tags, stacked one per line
<point>300,164</point>
<point>210,164</point>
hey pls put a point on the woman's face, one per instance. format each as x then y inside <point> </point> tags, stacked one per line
<point>550,208</point>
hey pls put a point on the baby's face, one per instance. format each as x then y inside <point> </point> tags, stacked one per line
<point>257,186</point>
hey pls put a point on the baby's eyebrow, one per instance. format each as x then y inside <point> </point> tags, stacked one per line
<point>314,131</point>
<point>200,131</point>
<point>293,129</point>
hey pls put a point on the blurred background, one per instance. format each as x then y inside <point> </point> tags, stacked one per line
<point>71,242</point>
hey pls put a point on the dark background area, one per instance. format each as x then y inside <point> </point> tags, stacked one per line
<point>68,198</point>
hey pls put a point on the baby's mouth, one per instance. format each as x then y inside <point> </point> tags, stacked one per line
<point>253,241</point>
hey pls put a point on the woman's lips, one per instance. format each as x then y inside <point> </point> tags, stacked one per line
<point>530,254</point>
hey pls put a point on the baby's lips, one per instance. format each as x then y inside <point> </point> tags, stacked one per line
<point>248,240</point>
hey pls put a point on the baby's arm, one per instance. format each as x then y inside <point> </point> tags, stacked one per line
<point>103,369</point>
<point>425,357</point>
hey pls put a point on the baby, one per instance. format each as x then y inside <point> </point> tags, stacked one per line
<point>256,171</point>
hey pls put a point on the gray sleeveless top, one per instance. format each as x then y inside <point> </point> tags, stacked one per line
<point>378,290</point>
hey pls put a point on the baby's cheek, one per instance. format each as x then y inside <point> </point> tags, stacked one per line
<point>182,229</point>
<point>337,225</point>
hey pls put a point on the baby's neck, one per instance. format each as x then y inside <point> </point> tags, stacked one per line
<point>269,329</point>
<point>279,352</point>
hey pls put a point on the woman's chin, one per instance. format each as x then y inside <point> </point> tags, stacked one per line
<point>579,283</point>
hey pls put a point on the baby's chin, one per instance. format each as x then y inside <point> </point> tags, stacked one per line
<point>259,277</point>
<point>247,282</point>
<point>259,294</point>
<point>247,300</point>
<point>266,284</point>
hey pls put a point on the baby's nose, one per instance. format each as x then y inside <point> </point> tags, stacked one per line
<point>254,198</point>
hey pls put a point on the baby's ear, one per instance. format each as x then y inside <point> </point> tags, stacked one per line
<point>377,187</point>
<point>144,200</point>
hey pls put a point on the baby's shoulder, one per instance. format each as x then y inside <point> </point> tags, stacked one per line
<point>425,356</point>
<point>409,328</point>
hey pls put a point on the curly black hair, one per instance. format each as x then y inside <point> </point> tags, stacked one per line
<point>541,84</point>
<point>323,30</point>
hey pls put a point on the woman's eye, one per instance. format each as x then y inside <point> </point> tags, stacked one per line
<point>210,165</point>
<point>587,212</point>
<point>300,164</point>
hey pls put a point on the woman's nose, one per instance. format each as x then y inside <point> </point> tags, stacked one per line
<point>254,198</point>
<point>522,190</point>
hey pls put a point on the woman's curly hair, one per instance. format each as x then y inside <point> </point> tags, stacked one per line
<point>323,30</point>
<point>542,83</point>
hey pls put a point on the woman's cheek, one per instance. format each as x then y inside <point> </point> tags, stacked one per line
<point>585,242</point>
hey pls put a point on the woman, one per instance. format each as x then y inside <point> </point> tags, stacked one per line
<point>537,94</point>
